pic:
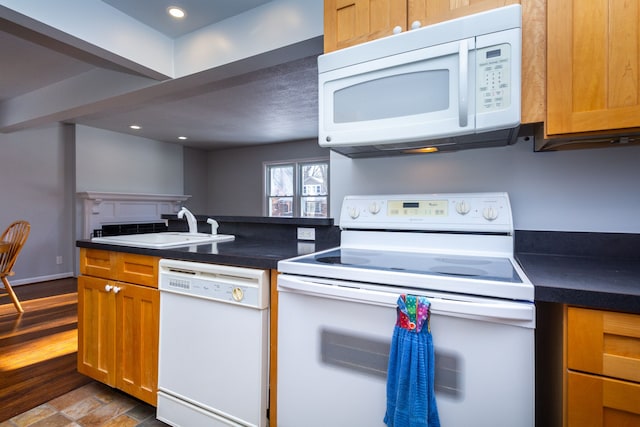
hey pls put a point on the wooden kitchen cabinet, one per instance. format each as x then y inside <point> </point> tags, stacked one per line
<point>593,66</point>
<point>351,22</point>
<point>118,321</point>
<point>430,12</point>
<point>603,368</point>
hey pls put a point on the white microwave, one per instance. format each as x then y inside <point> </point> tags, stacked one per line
<point>448,86</point>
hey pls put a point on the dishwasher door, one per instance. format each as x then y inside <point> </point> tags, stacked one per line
<point>213,356</point>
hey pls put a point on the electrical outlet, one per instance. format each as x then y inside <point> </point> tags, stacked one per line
<point>59,260</point>
<point>306,233</point>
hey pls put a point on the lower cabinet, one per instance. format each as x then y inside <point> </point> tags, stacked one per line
<point>599,401</point>
<point>118,329</point>
<point>603,375</point>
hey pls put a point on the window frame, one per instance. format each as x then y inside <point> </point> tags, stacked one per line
<point>297,184</point>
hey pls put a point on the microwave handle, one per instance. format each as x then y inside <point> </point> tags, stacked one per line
<point>463,83</point>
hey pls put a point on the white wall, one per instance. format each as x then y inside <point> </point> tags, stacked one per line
<point>35,166</point>
<point>581,190</point>
<point>236,184</point>
<point>117,162</point>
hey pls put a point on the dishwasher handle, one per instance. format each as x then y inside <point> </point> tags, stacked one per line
<point>506,311</point>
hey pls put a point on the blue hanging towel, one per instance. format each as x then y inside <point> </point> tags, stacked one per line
<point>411,401</point>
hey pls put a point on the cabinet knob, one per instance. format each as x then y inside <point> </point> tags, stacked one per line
<point>116,289</point>
<point>397,29</point>
<point>415,25</point>
<point>108,288</point>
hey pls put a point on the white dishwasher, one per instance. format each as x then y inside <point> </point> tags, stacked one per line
<point>214,341</point>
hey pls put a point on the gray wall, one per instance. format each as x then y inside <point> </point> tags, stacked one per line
<point>117,162</point>
<point>236,182</point>
<point>580,190</point>
<point>196,183</point>
<point>41,170</point>
<point>36,183</point>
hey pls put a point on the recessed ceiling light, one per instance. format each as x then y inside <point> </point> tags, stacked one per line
<point>176,12</point>
<point>182,138</point>
<point>136,127</point>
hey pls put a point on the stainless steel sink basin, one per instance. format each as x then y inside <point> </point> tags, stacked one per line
<point>163,240</point>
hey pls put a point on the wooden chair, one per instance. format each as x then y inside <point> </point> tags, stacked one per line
<point>14,236</point>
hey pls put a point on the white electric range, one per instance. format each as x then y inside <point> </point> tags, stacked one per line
<point>337,310</point>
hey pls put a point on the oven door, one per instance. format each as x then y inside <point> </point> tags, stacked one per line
<point>334,340</point>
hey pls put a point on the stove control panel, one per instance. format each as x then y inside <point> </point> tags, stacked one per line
<point>472,212</point>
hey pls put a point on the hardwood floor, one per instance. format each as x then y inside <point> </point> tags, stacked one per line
<point>38,349</point>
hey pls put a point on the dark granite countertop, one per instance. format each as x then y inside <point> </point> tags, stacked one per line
<point>596,270</point>
<point>260,242</point>
<point>242,252</point>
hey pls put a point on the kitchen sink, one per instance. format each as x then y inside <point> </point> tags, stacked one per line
<point>163,240</point>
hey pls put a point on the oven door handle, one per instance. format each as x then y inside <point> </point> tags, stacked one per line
<point>500,309</point>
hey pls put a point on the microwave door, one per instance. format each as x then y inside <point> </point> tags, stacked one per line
<point>422,94</point>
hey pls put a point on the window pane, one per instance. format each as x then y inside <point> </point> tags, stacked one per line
<point>280,206</point>
<point>281,180</point>
<point>314,207</point>
<point>314,179</point>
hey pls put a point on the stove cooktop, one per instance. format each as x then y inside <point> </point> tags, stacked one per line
<point>467,267</point>
<point>460,243</point>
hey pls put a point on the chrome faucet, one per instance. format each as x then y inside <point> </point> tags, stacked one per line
<point>191,220</point>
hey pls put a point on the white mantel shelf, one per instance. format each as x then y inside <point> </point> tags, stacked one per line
<point>103,208</point>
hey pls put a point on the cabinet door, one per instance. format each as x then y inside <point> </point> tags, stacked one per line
<point>593,65</point>
<point>604,343</point>
<point>594,401</point>
<point>96,330</point>
<point>137,332</point>
<point>350,22</point>
<point>98,263</point>
<point>432,11</point>
<point>134,268</point>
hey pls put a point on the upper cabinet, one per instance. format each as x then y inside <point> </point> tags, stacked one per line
<point>350,22</point>
<point>593,66</point>
<point>429,12</point>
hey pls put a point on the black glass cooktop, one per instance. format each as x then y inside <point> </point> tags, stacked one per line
<point>471,267</point>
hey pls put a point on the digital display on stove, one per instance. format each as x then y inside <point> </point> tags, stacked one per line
<point>424,208</point>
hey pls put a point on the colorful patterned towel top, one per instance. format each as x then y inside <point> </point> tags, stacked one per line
<point>413,312</point>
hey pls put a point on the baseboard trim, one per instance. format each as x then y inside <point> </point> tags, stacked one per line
<point>38,279</point>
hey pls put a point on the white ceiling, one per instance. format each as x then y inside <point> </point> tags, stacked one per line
<point>200,13</point>
<point>268,98</point>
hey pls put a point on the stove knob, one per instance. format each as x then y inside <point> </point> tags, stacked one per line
<point>237,294</point>
<point>374,208</point>
<point>490,214</point>
<point>354,213</point>
<point>463,207</point>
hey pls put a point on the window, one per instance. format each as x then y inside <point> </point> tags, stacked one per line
<point>297,188</point>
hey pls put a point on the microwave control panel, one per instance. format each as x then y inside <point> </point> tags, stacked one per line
<point>494,78</point>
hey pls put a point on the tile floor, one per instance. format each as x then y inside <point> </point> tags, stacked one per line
<point>93,405</point>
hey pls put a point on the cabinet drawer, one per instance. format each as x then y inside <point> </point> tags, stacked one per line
<point>97,263</point>
<point>604,342</point>
<point>140,269</point>
<point>596,401</point>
